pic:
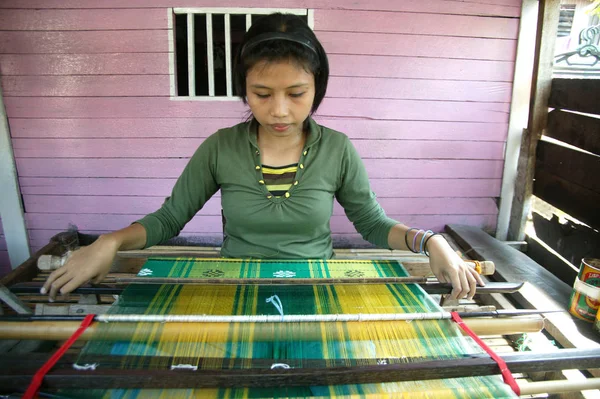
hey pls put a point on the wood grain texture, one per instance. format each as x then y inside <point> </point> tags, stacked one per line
<point>339,87</point>
<point>78,19</point>
<point>156,63</point>
<point>402,187</point>
<point>418,89</point>
<point>414,45</point>
<point>87,64</point>
<point>84,42</point>
<point>179,147</point>
<point>582,95</point>
<point>120,107</point>
<point>548,17</point>
<point>169,127</point>
<point>86,86</point>
<point>577,201</point>
<point>171,168</point>
<point>152,107</point>
<point>416,24</point>
<point>509,8</point>
<point>578,130</point>
<point>416,110</point>
<point>388,66</point>
<point>577,167</point>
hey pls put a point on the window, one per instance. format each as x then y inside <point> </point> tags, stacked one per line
<point>565,22</point>
<point>204,42</point>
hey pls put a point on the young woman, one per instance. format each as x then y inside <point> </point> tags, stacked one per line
<point>278,174</point>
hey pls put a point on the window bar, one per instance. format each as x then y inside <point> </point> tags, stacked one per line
<point>172,61</point>
<point>228,54</point>
<point>248,21</point>
<point>191,56</point>
<point>209,54</point>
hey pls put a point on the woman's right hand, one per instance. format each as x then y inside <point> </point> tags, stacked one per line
<point>90,263</point>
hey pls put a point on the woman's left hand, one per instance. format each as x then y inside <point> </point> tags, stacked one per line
<point>448,267</point>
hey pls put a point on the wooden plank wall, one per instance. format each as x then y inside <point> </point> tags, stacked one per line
<point>423,89</point>
<point>567,174</point>
<point>567,170</point>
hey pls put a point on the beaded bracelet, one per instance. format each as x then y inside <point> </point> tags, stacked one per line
<point>426,241</point>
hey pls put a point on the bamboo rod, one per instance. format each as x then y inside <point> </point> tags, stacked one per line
<point>219,332</point>
<point>534,388</point>
<point>51,262</point>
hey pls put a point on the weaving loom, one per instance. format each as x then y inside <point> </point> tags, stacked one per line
<point>204,328</point>
<point>287,345</point>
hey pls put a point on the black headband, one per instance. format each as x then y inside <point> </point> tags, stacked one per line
<point>264,37</point>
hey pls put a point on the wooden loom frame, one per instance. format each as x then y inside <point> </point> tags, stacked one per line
<point>61,377</point>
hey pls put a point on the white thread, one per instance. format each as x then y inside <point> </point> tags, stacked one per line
<point>277,303</point>
<point>145,272</point>
<point>86,366</point>
<point>184,367</point>
<point>270,318</point>
<point>280,366</point>
<point>284,273</point>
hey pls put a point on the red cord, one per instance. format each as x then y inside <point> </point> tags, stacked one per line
<point>37,379</point>
<point>506,374</point>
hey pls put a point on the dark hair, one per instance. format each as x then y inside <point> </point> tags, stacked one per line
<point>281,37</point>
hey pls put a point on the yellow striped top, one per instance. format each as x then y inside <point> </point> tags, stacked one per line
<point>279,179</point>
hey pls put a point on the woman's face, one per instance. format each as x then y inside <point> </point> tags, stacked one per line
<point>280,95</point>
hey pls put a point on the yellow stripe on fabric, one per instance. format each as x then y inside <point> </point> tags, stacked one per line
<point>270,171</point>
<point>376,299</point>
<point>194,344</point>
<point>278,187</point>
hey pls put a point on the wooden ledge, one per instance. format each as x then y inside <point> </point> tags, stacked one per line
<point>542,290</point>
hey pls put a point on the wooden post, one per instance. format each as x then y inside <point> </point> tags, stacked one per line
<point>549,11</point>
<point>519,111</point>
<point>11,208</point>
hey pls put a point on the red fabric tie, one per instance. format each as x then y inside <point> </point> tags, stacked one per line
<point>37,379</point>
<point>506,374</point>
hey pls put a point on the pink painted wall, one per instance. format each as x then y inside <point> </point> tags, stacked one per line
<point>422,88</point>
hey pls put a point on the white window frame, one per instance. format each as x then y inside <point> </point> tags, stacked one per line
<point>190,12</point>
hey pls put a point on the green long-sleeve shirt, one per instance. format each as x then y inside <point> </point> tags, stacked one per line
<point>259,225</point>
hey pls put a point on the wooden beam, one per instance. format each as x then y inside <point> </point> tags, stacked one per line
<point>577,130</point>
<point>549,11</point>
<point>11,206</point>
<point>15,378</point>
<point>519,111</point>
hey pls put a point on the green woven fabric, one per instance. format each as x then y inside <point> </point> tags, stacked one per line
<point>251,345</point>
